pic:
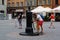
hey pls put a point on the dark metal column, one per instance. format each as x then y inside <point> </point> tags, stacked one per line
<point>29,29</point>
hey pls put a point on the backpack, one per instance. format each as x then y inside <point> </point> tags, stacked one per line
<point>42,16</point>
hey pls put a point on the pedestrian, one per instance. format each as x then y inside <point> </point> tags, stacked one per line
<point>39,23</point>
<point>20,20</point>
<point>52,18</point>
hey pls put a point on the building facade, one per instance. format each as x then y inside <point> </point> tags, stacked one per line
<point>3,7</point>
<point>23,4</point>
<point>14,4</point>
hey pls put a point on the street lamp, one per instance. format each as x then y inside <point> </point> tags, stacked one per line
<point>29,28</point>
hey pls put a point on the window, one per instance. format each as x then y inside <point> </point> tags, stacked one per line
<point>40,2</point>
<point>49,2</point>
<point>30,3</point>
<point>44,1</point>
<point>56,2</point>
<point>8,4</point>
<point>17,4</point>
<point>2,2</point>
<point>35,2</point>
<point>12,4</point>
<point>27,3</point>
<point>21,3</point>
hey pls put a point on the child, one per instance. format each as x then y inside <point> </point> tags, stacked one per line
<point>52,17</point>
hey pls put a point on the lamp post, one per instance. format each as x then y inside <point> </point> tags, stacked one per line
<point>29,28</point>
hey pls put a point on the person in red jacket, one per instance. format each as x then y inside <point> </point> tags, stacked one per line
<point>52,17</point>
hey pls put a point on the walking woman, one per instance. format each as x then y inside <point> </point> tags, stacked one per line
<point>52,17</point>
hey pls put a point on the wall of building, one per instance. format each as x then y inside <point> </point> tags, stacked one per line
<point>0,2</point>
<point>15,2</point>
<point>32,3</point>
<point>3,9</point>
<point>59,2</point>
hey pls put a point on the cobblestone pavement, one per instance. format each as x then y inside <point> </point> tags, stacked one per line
<point>8,31</point>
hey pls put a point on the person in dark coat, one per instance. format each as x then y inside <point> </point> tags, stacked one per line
<point>20,20</point>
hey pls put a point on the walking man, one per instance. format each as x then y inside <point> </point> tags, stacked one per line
<point>20,20</point>
<point>39,21</point>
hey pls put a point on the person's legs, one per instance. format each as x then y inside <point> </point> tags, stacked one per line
<point>41,23</point>
<point>20,23</point>
<point>52,24</point>
<point>41,29</point>
<point>38,27</point>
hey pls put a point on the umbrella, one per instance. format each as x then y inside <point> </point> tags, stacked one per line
<point>38,9</point>
<point>57,9</point>
<point>47,9</point>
